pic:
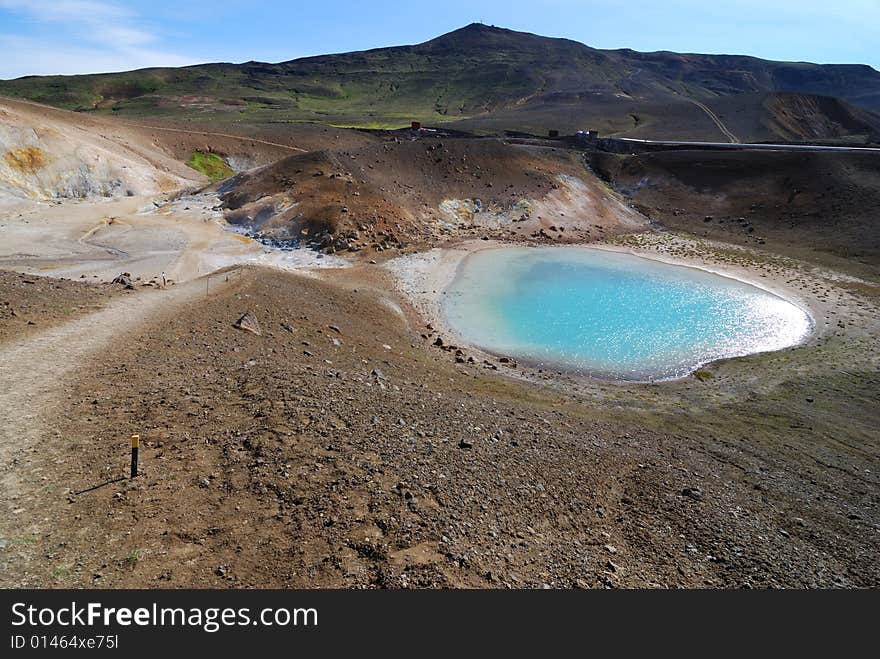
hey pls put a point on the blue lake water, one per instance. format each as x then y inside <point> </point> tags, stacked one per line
<point>611,314</point>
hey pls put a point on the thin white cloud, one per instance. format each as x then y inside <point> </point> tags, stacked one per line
<point>79,36</point>
<point>31,56</point>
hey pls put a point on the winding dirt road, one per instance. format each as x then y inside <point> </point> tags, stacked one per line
<point>227,135</point>
<point>717,120</point>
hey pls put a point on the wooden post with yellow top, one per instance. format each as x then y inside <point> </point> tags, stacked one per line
<point>135,444</point>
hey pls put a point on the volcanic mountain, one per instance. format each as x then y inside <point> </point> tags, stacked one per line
<point>492,79</point>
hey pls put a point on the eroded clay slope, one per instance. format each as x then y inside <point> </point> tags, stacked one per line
<point>52,154</point>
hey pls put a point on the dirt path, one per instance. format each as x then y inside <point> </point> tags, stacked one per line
<point>717,120</point>
<point>33,374</point>
<point>227,135</point>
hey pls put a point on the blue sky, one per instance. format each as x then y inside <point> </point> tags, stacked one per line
<point>85,36</point>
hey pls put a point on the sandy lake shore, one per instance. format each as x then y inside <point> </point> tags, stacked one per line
<point>424,278</point>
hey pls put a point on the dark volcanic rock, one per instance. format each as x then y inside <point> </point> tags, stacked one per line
<point>124,279</point>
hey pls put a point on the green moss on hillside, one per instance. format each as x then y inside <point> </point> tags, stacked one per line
<point>211,165</point>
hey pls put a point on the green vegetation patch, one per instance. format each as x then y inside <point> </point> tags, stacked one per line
<point>211,165</point>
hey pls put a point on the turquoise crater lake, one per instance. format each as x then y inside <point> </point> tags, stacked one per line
<point>611,314</point>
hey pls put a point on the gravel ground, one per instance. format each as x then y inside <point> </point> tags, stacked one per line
<point>340,449</point>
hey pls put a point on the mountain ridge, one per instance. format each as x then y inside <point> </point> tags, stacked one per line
<point>488,78</point>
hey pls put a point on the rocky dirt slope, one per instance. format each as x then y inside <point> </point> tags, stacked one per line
<point>816,206</point>
<point>422,188</point>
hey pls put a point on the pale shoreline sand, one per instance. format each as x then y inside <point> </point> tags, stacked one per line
<point>423,279</point>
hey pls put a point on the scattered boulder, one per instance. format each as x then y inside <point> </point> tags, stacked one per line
<point>249,323</point>
<point>694,493</point>
<point>124,279</point>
